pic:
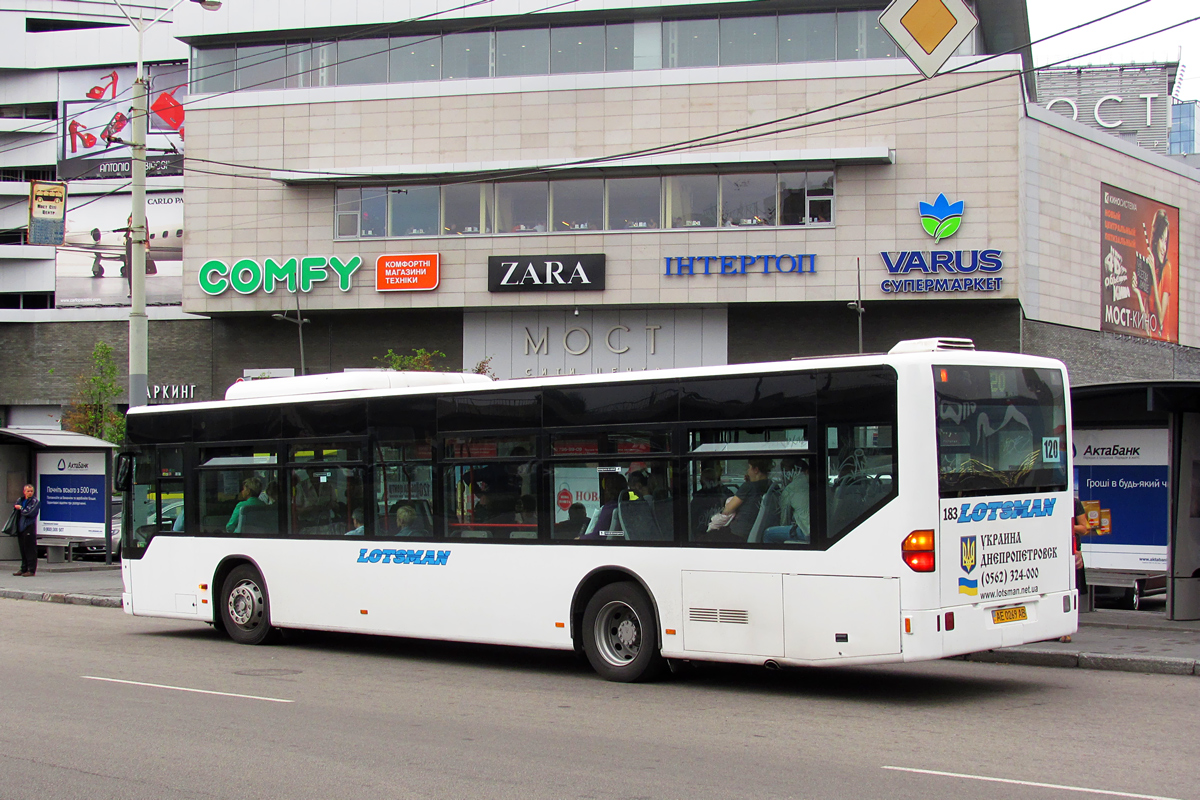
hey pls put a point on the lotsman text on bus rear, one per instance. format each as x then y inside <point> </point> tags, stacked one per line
<point>436,558</point>
<point>1007,509</point>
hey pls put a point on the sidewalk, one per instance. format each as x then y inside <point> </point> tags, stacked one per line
<point>88,583</point>
<point>1127,641</point>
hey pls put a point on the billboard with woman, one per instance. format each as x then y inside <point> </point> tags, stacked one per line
<point>1139,265</point>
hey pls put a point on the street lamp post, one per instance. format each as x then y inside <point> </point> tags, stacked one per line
<point>139,115</point>
<point>299,322</point>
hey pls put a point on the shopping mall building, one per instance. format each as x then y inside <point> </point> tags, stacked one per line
<point>595,186</point>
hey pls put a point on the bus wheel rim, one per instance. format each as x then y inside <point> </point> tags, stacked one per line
<point>246,604</point>
<point>618,633</point>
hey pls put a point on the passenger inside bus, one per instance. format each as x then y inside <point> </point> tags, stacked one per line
<point>408,522</point>
<point>251,488</point>
<point>740,515</point>
<point>356,517</point>
<point>576,522</point>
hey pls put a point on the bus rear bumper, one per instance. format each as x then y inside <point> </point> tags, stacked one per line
<point>988,626</point>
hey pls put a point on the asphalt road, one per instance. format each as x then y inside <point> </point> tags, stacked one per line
<point>379,718</point>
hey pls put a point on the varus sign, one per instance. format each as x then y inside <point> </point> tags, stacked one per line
<point>965,270</point>
<point>248,276</point>
<point>573,273</point>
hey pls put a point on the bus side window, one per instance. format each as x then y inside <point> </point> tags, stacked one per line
<point>860,473</point>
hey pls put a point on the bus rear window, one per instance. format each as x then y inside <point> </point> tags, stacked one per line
<point>999,430</point>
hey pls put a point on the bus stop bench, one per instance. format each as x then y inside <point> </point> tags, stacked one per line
<point>58,548</point>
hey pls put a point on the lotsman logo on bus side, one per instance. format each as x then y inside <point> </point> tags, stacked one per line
<point>1007,509</point>
<point>968,585</point>
<point>436,558</point>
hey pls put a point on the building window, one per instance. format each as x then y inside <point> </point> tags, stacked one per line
<point>416,58</point>
<point>373,219</point>
<point>213,69</point>
<point>415,211</point>
<point>521,207</point>
<point>362,61</point>
<point>747,200</point>
<point>588,204</point>
<point>523,52</point>
<point>690,43</point>
<point>618,46</point>
<point>860,36</point>
<point>465,209</point>
<point>261,67</point>
<point>577,49</point>
<point>578,205</point>
<point>691,201</point>
<point>467,55</point>
<point>748,40</point>
<point>633,203</point>
<point>807,37</point>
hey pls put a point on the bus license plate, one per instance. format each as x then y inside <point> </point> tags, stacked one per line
<point>1002,615</point>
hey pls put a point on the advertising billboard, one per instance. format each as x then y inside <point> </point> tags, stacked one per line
<point>72,487</point>
<point>90,268</point>
<point>95,121</point>
<point>1122,479</point>
<point>1139,265</point>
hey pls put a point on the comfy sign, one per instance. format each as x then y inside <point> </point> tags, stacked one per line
<point>406,273</point>
<point>248,276</point>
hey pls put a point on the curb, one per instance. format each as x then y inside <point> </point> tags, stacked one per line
<point>62,597</point>
<point>1160,665</point>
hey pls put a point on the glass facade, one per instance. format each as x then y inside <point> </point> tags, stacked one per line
<point>1183,128</point>
<point>589,204</point>
<point>560,49</point>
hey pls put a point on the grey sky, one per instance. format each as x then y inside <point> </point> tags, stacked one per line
<point>1049,16</point>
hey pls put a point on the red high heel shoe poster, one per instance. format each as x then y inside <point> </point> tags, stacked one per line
<point>95,121</point>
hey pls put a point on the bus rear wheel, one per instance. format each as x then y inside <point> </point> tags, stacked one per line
<point>620,634</point>
<point>245,606</point>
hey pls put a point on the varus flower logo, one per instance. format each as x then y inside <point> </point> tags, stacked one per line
<point>941,219</point>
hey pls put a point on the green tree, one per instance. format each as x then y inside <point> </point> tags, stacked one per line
<point>93,410</point>
<point>420,361</point>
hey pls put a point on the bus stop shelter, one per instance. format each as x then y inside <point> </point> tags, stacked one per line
<point>1137,450</point>
<point>72,473</point>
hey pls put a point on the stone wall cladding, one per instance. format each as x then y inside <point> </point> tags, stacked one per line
<point>777,332</point>
<point>964,145</point>
<point>1095,357</point>
<point>48,357</point>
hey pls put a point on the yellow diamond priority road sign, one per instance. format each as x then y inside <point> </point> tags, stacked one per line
<point>928,31</point>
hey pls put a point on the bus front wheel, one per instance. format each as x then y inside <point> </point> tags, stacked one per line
<point>245,607</point>
<point>620,634</point>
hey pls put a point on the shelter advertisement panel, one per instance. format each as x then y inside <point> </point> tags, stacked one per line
<point>1122,479</point>
<point>1139,265</point>
<point>72,487</point>
<point>91,267</point>
<point>95,117</point>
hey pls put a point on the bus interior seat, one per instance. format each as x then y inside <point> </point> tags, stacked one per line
<point>768,514</point>
<point>637,519</point>
<point>523,535</point>
<point>475,534</point>
<point>259,520</point>
<point>664,517</point>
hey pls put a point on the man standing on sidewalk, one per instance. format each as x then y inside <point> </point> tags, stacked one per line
<point>27,532</point>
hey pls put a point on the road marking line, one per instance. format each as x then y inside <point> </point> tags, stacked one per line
<point>1083,789</point>
<point>186,689</point>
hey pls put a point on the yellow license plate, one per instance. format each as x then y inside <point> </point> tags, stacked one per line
<point>1002,615</point>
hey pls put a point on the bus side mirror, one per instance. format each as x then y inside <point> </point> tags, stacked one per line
<point>123,472</point>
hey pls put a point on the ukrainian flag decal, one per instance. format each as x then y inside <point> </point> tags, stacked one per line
<point>966,585</point>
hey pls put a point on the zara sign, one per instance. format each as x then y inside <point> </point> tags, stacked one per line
<point>573,273</point>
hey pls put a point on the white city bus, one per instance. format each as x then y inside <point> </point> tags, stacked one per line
<point>846,510</point>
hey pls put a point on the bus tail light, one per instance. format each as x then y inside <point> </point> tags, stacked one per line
<point>918,551</point>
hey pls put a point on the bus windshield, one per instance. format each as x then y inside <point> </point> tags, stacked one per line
<point>999,430</point>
